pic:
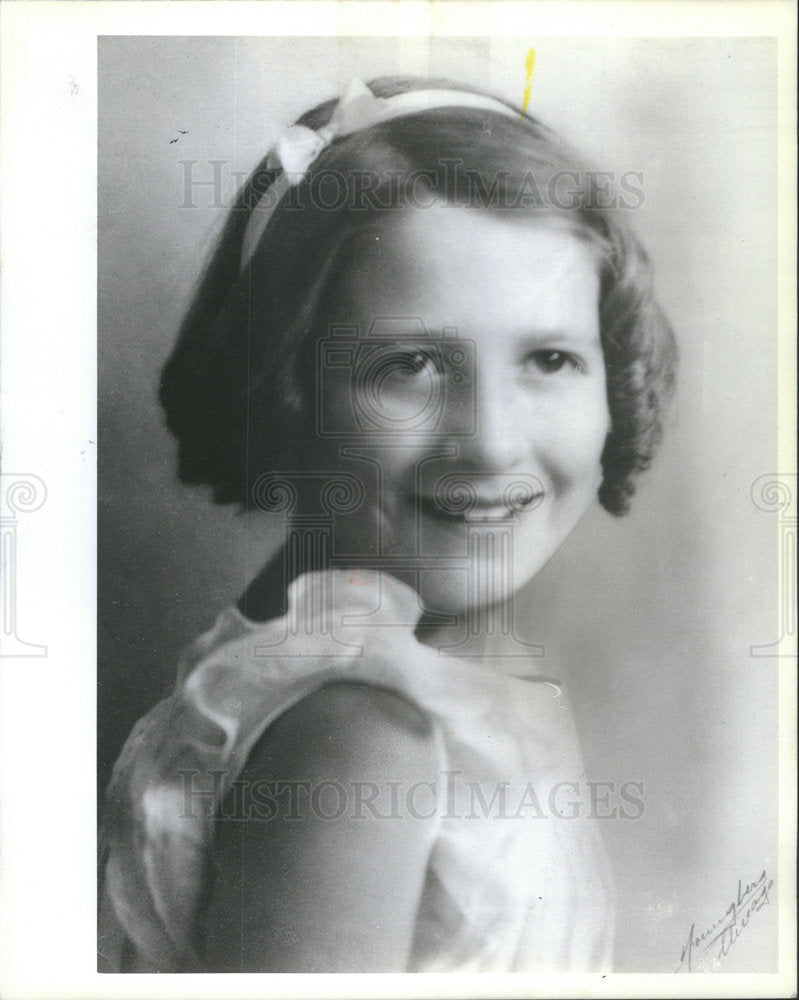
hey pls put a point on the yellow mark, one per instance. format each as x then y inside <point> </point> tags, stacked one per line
<point>529,63</point>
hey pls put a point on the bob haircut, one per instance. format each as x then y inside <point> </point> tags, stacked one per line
<point>238,389</point>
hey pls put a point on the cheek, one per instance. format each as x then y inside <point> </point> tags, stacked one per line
<point>577,442</point>
<point>387,474</point>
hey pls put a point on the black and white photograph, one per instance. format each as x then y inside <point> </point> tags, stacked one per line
<point>434,596</point>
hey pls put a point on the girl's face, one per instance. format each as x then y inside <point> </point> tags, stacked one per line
<point>462,380</point>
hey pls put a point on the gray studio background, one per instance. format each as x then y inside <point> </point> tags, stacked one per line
<point>649,617</point>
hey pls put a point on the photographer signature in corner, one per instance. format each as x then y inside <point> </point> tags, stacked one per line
<point>714,944</point>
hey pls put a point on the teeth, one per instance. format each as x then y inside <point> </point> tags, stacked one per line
<point>491,511</point>
<point>490,515</point>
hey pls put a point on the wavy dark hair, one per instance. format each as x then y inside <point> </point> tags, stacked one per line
<point>236,388</point>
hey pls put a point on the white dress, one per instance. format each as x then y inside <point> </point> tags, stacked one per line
<point>517,879</point>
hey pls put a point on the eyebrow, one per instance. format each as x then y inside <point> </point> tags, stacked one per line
<point>559,335</point>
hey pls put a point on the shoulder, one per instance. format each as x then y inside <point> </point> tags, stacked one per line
<point>347,730</point>
<point>336,829</point>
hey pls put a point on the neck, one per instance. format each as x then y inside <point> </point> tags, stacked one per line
<point>266,597</point>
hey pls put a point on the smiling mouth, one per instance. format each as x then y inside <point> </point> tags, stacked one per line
<point>478,511</point>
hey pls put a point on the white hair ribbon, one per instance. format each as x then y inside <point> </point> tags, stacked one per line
<point>298,146</point>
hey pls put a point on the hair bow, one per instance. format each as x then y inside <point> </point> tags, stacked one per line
<point>298,146</point>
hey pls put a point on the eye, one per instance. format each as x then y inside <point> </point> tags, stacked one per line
<point>411,361</point>
<point>415,361</point>
<point>552,362</point>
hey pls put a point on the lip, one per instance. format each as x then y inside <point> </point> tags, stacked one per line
<point>481,510</point>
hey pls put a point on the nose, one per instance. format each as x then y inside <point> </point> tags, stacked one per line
<point>494,423</point>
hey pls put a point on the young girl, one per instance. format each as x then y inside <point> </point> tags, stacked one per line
<point>427,344</point>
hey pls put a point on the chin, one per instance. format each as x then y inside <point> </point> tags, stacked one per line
<point>486,584</point>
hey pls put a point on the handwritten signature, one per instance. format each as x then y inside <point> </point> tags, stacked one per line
<point>718,939</point>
